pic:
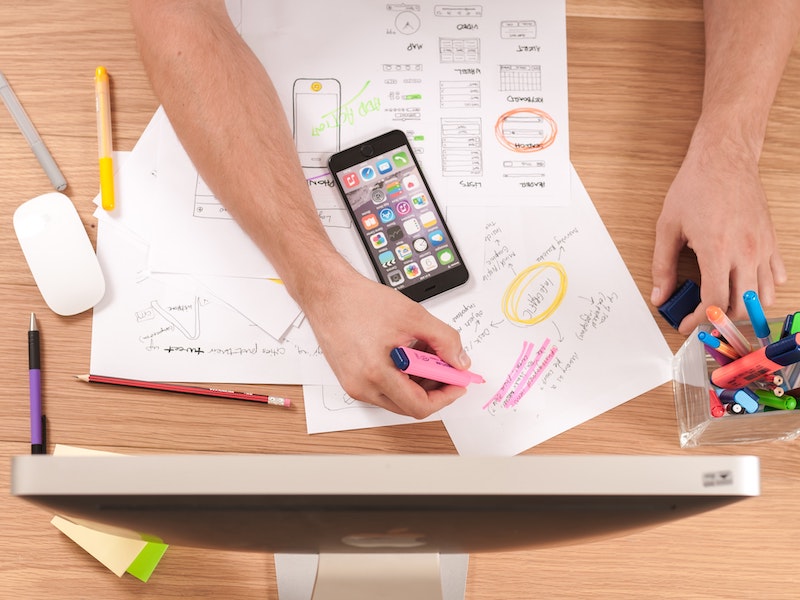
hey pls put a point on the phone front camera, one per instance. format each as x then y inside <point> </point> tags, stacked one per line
<point>367,150</point>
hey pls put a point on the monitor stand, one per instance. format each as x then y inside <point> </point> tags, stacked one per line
<point>371,575</point>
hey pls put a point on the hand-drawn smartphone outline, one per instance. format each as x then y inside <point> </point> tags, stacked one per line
<point>316,106</point>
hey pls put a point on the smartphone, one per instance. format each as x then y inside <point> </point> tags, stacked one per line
<point>397,218</point>
<point>316,112</point>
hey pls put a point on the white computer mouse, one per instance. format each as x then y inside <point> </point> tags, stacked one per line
<point>59,253</point>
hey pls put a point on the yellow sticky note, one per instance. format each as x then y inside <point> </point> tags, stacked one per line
<point>115,551</point>
<point>120,550</point>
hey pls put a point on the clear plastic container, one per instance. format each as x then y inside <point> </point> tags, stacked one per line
<point>692,367</point>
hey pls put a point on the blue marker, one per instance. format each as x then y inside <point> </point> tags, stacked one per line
<point>712,350</point>
<point>708,339</point>
<point>745,397</point>
<point>757,317</point>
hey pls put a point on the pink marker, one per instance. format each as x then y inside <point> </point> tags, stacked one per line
<point>430,366</point>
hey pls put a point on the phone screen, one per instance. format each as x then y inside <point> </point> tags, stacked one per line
<point>397,217</point>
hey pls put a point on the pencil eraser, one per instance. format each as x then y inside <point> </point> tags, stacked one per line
<point>682,303</point>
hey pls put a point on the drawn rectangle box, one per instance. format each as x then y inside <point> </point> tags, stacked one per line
<point>692,368</point>
<point>460,94</point>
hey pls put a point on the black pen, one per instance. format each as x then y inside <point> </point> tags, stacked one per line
<point>35,374</point>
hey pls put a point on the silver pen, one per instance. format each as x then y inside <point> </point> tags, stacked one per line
<point>31,135</point>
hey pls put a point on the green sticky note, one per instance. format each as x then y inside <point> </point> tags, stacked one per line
<point>147,561</point>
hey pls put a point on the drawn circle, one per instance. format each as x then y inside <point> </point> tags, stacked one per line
<point>407,22</point>
<point>525,130</point>
<point>316,86</point>
<point>518,290</point>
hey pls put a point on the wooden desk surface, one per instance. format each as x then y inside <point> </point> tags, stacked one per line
<point>635,77</point>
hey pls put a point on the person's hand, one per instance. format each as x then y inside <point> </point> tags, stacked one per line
<point>717,207</point>
<point>357,322</point>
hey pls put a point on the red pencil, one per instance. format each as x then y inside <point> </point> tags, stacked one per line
<point>187,389</point>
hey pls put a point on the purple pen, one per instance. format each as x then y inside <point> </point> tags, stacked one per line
<point>35,374</point>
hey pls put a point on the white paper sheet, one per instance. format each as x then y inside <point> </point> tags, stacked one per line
<point>553,321</point>
<point>330,408</point>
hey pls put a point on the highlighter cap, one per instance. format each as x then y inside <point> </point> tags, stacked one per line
<point>400,358</point>
<point>786,351</point>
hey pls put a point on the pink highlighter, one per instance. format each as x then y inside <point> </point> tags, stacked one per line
<point>430,366</point>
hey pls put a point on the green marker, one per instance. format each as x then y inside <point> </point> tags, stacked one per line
<point>768,399</point>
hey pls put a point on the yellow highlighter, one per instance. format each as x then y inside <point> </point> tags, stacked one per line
<point>103,108</point>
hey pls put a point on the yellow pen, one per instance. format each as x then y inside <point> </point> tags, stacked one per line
<point>103,108</point>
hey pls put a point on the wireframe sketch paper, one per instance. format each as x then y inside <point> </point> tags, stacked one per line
<point>480,88</point>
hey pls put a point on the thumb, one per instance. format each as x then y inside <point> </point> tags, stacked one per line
<point>665,264</point>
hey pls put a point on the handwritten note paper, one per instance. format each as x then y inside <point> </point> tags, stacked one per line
<point>552,319</point>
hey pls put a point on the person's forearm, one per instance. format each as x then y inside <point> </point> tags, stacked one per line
<point>747,46</point>
<point>226,112</point>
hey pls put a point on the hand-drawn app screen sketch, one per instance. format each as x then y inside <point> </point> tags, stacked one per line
<point>316,105</point>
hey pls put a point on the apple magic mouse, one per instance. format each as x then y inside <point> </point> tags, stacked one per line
<point>59,253</point>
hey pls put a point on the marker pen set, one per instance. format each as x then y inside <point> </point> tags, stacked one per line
<point>752,377</point>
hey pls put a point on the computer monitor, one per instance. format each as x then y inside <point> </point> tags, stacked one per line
<point>386,508</point>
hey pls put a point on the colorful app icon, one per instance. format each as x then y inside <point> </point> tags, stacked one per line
<point>445,256</point>
<point>369,221</point>
<point>387,215</point>
<point>436,237</point>
<point>378,196</point>
<point>403,252</point>
<point>420,245</point>
<point>350,180</point>
<point>367,173</point>
<point>400,159</point>
<point>378,240</point>
<point>412,270</point>
<point>386,258</point>
<point>394,232</point>
<point>411,182</point>
<point>411,226</point>
<point>393,189</point>
<point>395,278</point>
<point>383,166</point>
<point>428,263</point>
<point>419,201</point>
<point>428,219</point>
<point>403,208</point>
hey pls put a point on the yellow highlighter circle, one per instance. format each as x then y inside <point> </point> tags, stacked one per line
<point>316,86</point>
<point>519,289</point>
